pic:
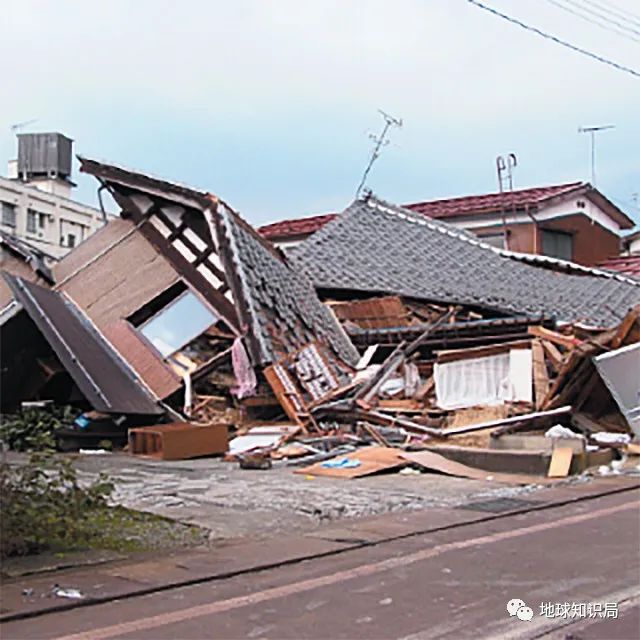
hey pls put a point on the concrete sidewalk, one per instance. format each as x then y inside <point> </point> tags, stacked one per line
<point>33,595</point>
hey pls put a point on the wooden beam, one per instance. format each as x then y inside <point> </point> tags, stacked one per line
<point>569,342</point>
<point>455,355</point>
<point>540,374</point>
<point>554,356</point>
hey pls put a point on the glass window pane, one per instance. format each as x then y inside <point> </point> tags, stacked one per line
<point>557,244</point>
<point>31,221</point>
<point>177,324</point>
<point>8,214</point>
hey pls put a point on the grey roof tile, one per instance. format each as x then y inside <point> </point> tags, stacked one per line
<point>377,247</point>
<point>285,311</point>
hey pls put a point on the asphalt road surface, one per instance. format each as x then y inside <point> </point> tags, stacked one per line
<point>454,583</point>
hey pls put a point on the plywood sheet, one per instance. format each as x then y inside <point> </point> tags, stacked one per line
<point>371,459</point>
<point>560,462</point>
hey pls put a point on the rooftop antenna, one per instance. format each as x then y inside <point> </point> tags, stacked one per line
<point>507,166</point>
<point>22,125</point>
<point>592,132</point>
<point>380,141</point>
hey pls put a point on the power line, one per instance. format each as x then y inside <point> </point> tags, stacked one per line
<point>624,34</point>
<point>603,17</point>
<point>615,11</point>
<point>557,40</point>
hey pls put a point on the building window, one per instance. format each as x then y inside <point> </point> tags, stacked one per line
<point>32,221</point>
<point>8,214</point>
<point>71,240</point>
<point>42,220</point>
<point>177,323</point>
<point>557,244</point>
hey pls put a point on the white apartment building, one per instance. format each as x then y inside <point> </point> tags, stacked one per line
<point>35,200</point>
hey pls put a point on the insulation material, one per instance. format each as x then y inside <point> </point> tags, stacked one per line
<point>243,371</point>
<point>489,381</point>
<point>267,437</point>
<point>520,375</point>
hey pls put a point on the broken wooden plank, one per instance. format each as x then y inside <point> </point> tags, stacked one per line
<point>512,421</point>
<point>399,355</point>
<point>453,355</point>
<point>425,389</point>
<point>628,330</point>
<point>400,404</point>
<point>568,342</point>
<point>540,374</point>
<point>290,399</point>
<point>554,356</point>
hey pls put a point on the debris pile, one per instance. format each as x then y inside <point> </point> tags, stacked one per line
<point>548,403</point>
<point>384,341</point>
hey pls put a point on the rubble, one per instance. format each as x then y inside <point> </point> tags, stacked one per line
<point>178,324</point>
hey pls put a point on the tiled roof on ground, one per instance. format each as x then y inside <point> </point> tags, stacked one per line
<point>448,208</point>
<point>629,265</point>
<point>377,247</point>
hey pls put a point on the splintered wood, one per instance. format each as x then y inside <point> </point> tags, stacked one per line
<point>302,379</point>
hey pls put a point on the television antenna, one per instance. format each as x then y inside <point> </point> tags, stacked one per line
<point>379,142</point>
<point>592,132</point>
<point>22,125</point>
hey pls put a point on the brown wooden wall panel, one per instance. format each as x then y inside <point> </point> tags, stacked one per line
<point>121,281</point>
<point>142,358</point>
<point>388,311</point>
<point>591,242</point>
<point>91,247</point>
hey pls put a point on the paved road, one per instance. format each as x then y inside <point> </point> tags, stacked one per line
<point>453,583</point>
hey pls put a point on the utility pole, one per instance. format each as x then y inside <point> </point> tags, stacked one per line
<point>379,142</point>
<point>592,132</point>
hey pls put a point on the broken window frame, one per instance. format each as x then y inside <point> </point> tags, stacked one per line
<point>169,304</point>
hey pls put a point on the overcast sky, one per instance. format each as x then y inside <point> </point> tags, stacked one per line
<point>270,104</point>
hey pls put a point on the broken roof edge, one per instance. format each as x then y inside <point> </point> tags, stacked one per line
<point>161,187</point>
<point>33,256</point>
<point>132,178</point>
<point>555,264</point>
<point>146,403</point>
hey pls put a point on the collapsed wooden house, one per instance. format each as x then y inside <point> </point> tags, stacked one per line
<point>177,295</point>
<point>178,311</point>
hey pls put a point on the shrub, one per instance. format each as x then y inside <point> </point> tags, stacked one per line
<point>43,506</point>
<point>33,429</point>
